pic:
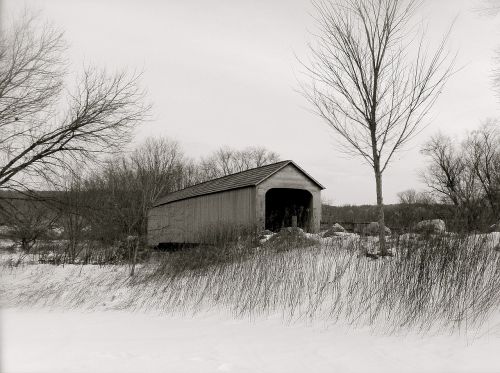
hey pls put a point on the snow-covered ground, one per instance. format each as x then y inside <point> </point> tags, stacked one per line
<point>118,341</point>
<point>87,318</point>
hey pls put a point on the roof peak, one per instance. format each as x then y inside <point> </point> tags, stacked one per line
<point>241,179</point>
<point>230,175</point>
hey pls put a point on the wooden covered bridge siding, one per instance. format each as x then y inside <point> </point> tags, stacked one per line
<point>234,200</point>
<point>184,220</point>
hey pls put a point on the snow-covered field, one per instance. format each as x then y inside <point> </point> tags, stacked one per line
<point>237,317</point>
<point>118,341</point>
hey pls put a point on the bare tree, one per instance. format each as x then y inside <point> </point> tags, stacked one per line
<point>29,220</point>
<point>37,135</point>
<point>466,174</point>
<point>159,166</point>
<point>368,84</point>
<point>412,197</point>
<point>73,204</point>
<point>125,188</point>
<point>446,168</point>
<point>226,161</point>
<point>414,206</point>
<point>489,7</point>
<point>482,152</point>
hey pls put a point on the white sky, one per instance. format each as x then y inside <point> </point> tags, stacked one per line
<point>222,72</point>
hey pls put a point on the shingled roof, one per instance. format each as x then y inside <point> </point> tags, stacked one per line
<point>251,177</point>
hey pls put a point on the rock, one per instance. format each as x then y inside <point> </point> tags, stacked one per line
<point>495,227</point>
<point>435,226</point>
<point>292,230</point>
<point>337,228</point>
<point>5,230</point>
<point>371,256</point>
<point>265,232</point>
<point>372,229</point>
<point>57,231</point>
<point>329,233</point>
<point>409,237</point>
<point>131,239</point>
<point>497,248</point>
<point>333,230</point>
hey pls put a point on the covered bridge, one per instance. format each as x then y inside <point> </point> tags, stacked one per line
<point>268,197</point>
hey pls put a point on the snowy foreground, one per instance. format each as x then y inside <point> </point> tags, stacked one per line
<point>118,341</point>
<point>318,309</point>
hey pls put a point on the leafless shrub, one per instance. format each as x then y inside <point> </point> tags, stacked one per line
<point>90,253</point>
<point>223,244</point>
<point>29,220</point>
<point>199,260</point>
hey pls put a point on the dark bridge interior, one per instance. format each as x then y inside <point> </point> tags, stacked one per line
<point>285,206</point>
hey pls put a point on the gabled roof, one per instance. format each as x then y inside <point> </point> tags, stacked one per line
<point>251,177</point>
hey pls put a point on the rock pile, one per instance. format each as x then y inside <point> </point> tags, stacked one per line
<point>373,229</point>
<point>434,226</point>
<point>334,230</point>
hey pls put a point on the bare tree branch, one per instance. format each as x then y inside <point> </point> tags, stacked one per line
<point>467,174</point>
<point>35,137</point>
<point>225,161</point>
<point>489,7</point>
<point>369,80</point>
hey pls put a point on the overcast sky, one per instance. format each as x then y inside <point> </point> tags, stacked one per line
<point>224,72</point>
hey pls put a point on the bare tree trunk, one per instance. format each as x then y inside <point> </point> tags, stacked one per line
<point>134,257</point>
<point>380,207</point>
<point>25,247</point>
<point>378,184</point>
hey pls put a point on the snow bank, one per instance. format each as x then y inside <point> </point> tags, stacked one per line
<point>203,334</point>
<point>104,342</point>
<point>330,281</point>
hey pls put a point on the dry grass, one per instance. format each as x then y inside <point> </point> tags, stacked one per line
<point>450,282</point>
<point>60,252</point>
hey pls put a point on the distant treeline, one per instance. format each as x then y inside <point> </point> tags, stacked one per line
<point>402,217</point>
<point>463,186</point>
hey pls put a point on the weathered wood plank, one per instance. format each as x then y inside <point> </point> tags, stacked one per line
<point>183,221</point>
